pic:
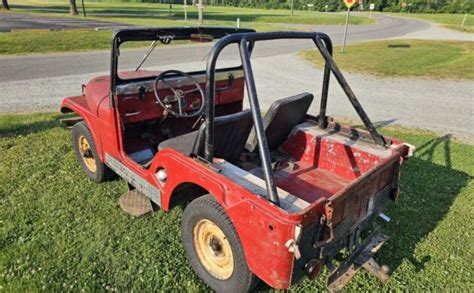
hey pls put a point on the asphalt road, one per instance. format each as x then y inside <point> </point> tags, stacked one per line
<point>17,21</point>
<point>52,65</point>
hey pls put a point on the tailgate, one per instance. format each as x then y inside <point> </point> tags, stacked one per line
<point>346,215</point>
<point>347,209</point>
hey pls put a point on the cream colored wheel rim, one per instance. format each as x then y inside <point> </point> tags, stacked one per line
<point>213,249</point>
<point>86,152</point>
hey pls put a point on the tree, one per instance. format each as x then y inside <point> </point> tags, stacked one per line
<point>5,4</point>
<point>72,7</point>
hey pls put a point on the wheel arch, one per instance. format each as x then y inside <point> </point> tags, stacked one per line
<point>184,193</point>
<point>70,107</point>
<point>67,109</point>
<point>246,226</point>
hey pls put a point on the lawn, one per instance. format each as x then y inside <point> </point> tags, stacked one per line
<point>433,59</point>
<point>145,14</point>
<point>30,41</point>
<point>155,13</point>
<point>62,232</point>
<point>452,21</point>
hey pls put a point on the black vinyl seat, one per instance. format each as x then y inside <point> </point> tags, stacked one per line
<point>230,134</point>
<point>282,116</point>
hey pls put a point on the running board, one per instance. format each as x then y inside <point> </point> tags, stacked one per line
<point>134,179</point>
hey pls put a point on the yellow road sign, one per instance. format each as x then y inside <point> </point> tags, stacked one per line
<point>349,3</point>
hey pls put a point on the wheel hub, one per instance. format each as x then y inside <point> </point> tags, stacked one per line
<point>215,245</point>
<point>86,152</point>
<point>213,249</point>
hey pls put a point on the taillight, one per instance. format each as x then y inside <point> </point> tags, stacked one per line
<point>313,268</point>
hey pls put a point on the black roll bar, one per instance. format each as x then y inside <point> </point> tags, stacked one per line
<point>348,91</point>
<point>258,123</point>
<point>246,42</point>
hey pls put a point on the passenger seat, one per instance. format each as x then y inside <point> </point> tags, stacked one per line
<point>282,116</point>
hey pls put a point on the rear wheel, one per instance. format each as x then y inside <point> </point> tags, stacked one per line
<point>87,155</point>
<point>213,247</point>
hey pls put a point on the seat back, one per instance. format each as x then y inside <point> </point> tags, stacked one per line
<point>282,116</point>
<point>230,134</point>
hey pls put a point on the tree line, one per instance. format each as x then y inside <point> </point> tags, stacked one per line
<point>422,6</point>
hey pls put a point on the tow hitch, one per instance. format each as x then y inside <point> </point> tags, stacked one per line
<point>361,258</point>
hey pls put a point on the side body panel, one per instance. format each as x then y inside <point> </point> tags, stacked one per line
<point>263,228</point>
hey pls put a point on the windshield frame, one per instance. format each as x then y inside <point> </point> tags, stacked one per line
<point>152,34</point>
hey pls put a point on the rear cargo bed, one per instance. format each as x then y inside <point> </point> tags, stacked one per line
<point>318,164</point>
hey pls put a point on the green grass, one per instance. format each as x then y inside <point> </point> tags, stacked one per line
<point>144,14</point>
<point>43,41</point>
<point>433,59</point>
<point>60,231</point>
<point>452,21</point>
<point>34,42</point>
<point>147,13</point>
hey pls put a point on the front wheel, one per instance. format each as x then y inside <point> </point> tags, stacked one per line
<point>86,153</point>
<point>213,247</point>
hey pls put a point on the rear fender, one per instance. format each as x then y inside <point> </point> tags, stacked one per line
<point>264,235</point>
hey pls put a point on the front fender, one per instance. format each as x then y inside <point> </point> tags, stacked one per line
<point>78,105</point>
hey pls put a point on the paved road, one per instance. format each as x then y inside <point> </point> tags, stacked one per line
<point>38,83</point>
<point>10,21</point>
<point>52,65</point>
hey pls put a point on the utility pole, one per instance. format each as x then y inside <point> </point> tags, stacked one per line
<point>185,6</point>
<point>200,8</point>
<point>292,5</point>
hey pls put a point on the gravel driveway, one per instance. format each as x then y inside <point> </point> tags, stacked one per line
<point>442,106</point>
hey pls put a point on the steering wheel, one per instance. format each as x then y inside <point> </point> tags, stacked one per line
<point>179,96</point>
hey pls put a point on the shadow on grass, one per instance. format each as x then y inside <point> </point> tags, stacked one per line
<point>16,125</point>
<point>428,190</point>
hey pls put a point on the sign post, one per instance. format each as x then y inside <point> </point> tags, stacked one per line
<point>349,4</point>
<point>464,20</point>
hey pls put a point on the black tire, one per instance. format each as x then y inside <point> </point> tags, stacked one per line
<point>206,208</point>
<point>101,172</point>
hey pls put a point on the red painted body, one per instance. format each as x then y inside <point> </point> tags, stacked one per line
<point>321,169</point>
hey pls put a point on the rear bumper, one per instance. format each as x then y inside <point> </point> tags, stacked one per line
<point>318,245</point>
<point>360,258</point>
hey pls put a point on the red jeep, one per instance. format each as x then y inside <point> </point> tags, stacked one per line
<point>272,198</point>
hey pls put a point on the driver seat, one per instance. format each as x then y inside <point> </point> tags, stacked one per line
<point>230,134</point>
